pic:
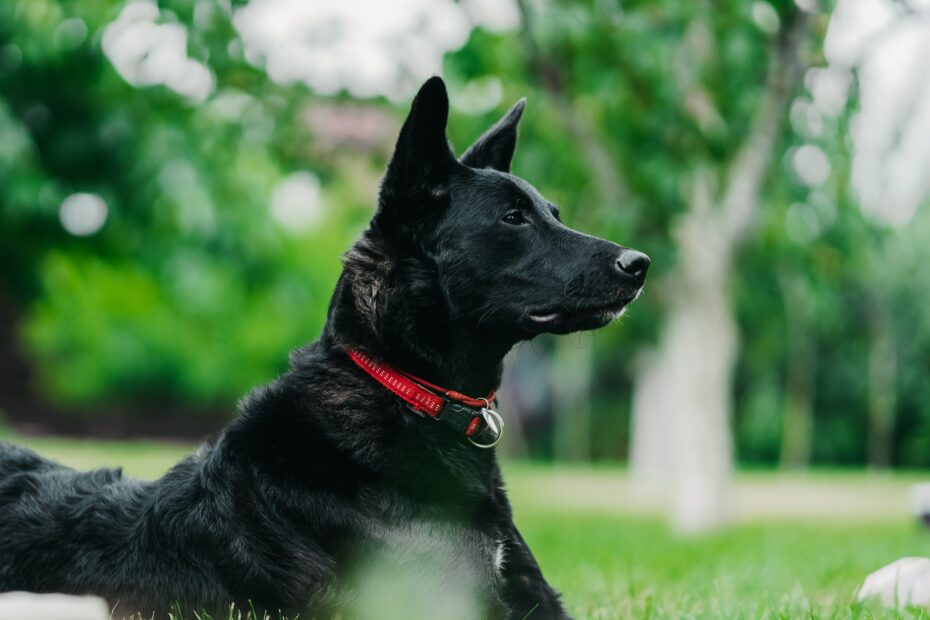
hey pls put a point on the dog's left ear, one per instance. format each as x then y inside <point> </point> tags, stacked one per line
<point>495,148</point>
<point>422,158</point>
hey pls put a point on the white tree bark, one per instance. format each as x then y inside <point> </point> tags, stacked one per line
<point>696,356</point>
<point>700,354</point>
<point>650,455</point>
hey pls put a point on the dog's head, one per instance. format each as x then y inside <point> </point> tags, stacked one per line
<point>482,249</point>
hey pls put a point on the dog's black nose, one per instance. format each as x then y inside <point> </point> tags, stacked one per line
<point>634,263</point>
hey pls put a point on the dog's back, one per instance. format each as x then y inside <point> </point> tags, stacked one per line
<point>39,499</point>
<point>27,479</point>
<point>62,530</point>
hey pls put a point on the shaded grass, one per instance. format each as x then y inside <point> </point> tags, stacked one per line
<point>598,542</point>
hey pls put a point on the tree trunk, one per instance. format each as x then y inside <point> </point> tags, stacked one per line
<point>694,363</point>
<point>681,409</point>
<point>650,454</point>
<point>700,353</point>
<point>797,433</point>
<point>882,384</point>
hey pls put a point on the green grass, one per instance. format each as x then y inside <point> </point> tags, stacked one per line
<point>799,545</point>
<point>615,567</point>
<point>798,548</point>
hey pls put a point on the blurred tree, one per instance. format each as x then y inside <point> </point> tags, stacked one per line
<point>800,367</point>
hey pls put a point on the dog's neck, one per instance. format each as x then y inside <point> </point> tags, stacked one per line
<point>394,310</point>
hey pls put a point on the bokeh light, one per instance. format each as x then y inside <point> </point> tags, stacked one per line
<point>83,214</point>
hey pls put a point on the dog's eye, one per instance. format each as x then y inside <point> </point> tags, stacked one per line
<point>514,218</point>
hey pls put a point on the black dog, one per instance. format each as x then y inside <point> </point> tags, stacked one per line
<point>345,486</point>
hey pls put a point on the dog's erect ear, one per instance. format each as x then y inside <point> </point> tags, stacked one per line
<point>495,148</point>
<point>422,158</point>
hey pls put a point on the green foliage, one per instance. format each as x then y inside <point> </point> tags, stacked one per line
<point>190,292</point>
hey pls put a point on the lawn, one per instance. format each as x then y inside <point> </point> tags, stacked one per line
<point>798,547</point>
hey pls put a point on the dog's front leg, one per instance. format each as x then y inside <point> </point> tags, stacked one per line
<point>526,592</point>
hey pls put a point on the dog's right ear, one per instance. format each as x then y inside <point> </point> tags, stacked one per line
<point>422,159</point>
<point>495,148</point>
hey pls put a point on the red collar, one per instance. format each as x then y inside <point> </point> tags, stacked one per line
<point>472,416</point>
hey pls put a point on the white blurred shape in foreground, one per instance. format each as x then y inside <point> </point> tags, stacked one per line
<point>83,214</point>
<point>25,605</point>
<point>367,47</point>
<point>146,53</point>
<point>891,160</point>
<point>901,583</point>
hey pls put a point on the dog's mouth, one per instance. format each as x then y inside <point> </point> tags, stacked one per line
<point>600,312</point>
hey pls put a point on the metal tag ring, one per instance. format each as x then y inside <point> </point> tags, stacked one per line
<point>494,421</point>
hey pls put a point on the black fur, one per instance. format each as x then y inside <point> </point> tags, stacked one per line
<point>325,483</point>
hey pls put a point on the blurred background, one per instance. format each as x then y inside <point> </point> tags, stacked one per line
<point>178,180</point>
